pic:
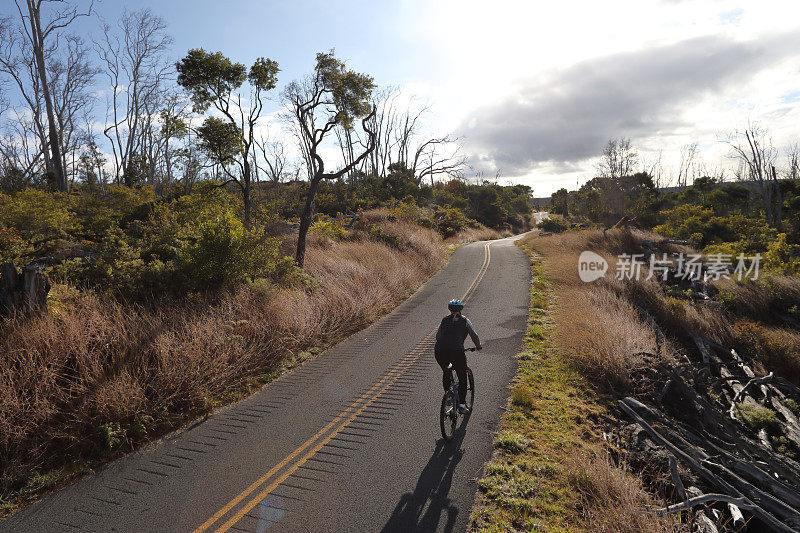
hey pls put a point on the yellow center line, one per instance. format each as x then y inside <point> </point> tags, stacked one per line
<point>394,373</point>
<point>280,479</point>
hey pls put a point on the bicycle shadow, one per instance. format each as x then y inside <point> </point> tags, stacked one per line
<point>422,509</point>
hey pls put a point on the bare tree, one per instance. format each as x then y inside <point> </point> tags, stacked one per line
<point>174,123</point>
<point>274,160</point>
<point>619,159</point>
<point>687,165</point>
<point>41,38</point>
<point>657,171</point>
<point>793,161</point>
<point>756,155</point>
<point>135,62</point>
<point>437,156</point>
<point>70,76</point>
<point>17,62</point>
<point>384,124</point>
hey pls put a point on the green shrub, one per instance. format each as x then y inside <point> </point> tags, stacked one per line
<point>701,227</point>
<point>224,252</point>
<point>782,257</point>
<point>758,418</point>
<point>377,233</point>
<point>451,220</point>
<point>330,229</point>
<point>117,206</point>
<point>11,244</point>
<point>112,436</point>
<point>38,215</point>
<point>407,211</point>
<point>553,225</point>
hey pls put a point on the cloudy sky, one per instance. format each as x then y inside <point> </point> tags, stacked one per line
<point>535,88</point>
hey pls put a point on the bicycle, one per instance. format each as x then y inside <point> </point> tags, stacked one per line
<point>449,413</point>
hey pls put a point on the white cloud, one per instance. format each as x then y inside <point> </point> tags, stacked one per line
<point>480,55</point>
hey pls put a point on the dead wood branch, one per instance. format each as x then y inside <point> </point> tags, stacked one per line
<point>743,390</point>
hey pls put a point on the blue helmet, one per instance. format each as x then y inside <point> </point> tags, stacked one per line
<point>455,305</point>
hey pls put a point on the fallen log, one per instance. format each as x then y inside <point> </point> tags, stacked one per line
<point>767,501</point>
<point>736,515</point>
<point>676,478</point>
<point>698,341</point>
<point>630,406</point>
<point>779,465</point>
<point>738,501</point>
<point>786,318</point>
<point>676,374</point>
<point>743,390</point>
<point>704,524</point>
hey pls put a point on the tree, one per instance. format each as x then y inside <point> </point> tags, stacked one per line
<point>619,159</point>
<point>332,96</point>
<point>687,163</point>
<point>213,80</point>
<point>136,66</point>
<point>274,161</point>
<point>754,150</point>
<point>38,36</point>
<point>793,161</point>
<point>54,76</point>
<point>559,201</point>
<point>174,125</point>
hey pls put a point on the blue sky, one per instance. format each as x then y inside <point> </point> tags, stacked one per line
<point>288,32</point>
<point>534,87</point>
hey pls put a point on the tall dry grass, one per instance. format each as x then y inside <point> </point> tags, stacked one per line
<point>481,233</point>
<point>596,323</point>
<point>98,376</point>
<point>606,336</point>
<point>614,501</point>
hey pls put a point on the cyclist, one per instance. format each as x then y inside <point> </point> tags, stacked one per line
<point>449,348</point>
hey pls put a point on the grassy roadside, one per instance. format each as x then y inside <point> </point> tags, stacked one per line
<point>550,469</point>
<point>548,417</point>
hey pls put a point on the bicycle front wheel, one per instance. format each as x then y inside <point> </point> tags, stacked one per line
<point>448,416</point>
<point>470,399</point>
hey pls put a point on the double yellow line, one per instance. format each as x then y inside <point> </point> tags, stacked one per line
<point>343,419</point>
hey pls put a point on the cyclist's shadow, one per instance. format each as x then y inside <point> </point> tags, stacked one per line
<point>422,509</point>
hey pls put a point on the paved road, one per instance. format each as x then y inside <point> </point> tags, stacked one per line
<point>347,442</point>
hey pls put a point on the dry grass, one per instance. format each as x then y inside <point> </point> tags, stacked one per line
<point>596,323</point>
<point>757,299</point>
<point>95,377</point>
<point>481,233</point>
<point>605,335</point>
<point>613,500</point>
<point>778,349</point>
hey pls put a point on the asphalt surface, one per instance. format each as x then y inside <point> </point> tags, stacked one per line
<point>348,442</point>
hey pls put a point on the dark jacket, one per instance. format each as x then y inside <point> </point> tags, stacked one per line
<point>452,332</point>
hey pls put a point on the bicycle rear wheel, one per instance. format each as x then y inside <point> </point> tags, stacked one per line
<point>448,416</point>
<point>470,399</point>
